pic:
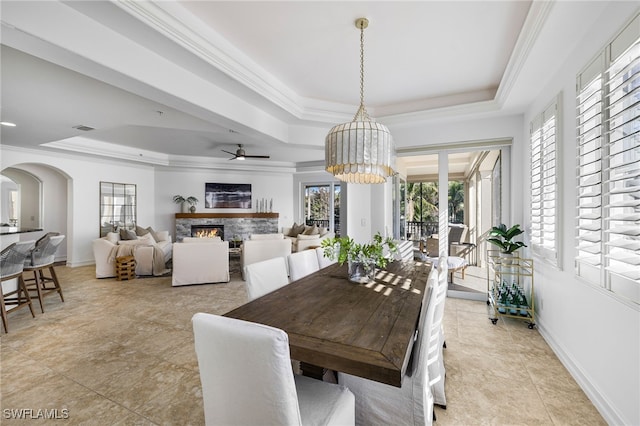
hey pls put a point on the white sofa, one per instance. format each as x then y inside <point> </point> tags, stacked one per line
<point>261,247</point>
<point>306,236</point>
<point>149,254</point>
<point>200,261</point>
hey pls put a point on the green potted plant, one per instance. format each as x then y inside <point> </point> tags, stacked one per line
<point>503,238</point>
<point>191,200</point>
<point>362,258</point>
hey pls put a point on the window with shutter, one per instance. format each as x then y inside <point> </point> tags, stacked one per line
<point>544,185</point>
<point>608,171</point>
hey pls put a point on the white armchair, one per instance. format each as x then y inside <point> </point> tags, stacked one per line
<point>200,262</point>
<point>262,249</point>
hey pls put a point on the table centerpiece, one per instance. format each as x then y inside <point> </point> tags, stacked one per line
<point>362,259</point>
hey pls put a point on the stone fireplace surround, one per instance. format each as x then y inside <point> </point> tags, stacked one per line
<point>235,224</point>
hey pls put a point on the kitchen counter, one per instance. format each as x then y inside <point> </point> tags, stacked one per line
<point>10,230</point>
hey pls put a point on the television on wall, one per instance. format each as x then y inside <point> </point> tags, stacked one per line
<point>227,196</point>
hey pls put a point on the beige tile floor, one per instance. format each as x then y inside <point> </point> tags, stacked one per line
<point>121,353</point>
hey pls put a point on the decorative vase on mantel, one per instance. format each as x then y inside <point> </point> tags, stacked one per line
<point>184,207</point>
<point>192,209</point>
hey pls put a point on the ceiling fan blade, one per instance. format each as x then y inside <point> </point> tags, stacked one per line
<point>257,156</point>
<point>232,153</point>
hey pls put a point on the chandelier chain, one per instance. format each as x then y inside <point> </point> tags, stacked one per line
<point>362,114</point>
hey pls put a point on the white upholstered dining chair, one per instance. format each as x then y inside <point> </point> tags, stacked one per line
<point>265,276</point>
<point>323,261</point>
<point>302,263</point>
<point>437,368</point>
<point>378,403</point>
<point>246,378</point>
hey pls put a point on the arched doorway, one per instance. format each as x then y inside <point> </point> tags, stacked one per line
<point>43,195</point>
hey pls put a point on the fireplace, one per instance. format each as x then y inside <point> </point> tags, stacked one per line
<point>207,231</point>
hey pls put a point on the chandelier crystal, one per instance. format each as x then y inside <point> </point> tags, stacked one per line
<point>360,151</point>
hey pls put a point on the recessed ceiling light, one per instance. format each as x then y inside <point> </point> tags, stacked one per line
<point>8,124</point>
<point>83,128</point>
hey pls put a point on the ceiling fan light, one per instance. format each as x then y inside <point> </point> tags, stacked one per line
<point>241,158</point>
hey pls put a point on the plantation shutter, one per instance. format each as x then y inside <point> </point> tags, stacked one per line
<point>608,170</point>
<point>544,186</point>
<point>589,135</point>
<point>622,211</point>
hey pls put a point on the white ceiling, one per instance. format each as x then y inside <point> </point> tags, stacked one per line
<point>274,76</point>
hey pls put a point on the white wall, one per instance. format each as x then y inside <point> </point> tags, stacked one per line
<point>382,205</point>
<point>596,336</point>
<point>359,213</point>
<point>82,198</point>
<point>186,182</point>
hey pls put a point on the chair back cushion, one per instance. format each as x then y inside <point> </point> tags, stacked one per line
<point>245,371</point>
<point>302,264</point>
<point>265,277</point>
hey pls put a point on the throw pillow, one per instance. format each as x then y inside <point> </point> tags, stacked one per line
<point>125,234</point>
<point>147,239</point>
<point>154,234</point>
<point>324,231</point>
<point>162,236</point>
<point>296,230</point>
<point>140,231</point>
<point>311,230</point>
<point>113,237</point>
<point>293,228</point>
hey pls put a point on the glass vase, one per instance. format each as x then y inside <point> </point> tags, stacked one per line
<point>361,272</point>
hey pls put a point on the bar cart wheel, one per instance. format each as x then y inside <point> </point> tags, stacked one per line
<point>494,321</point>
<point>531,325</point>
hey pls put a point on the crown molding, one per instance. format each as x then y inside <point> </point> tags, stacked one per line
<point>533,25</point>
<point>88,146</point>
<point>183,28</point>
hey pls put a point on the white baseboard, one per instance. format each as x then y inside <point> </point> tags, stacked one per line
<point>83,263</point>
<point>600,401</point>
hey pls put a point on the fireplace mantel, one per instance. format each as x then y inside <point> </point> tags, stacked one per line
<point>226,215</point>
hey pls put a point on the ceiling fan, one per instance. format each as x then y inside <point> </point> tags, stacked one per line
<point>240,154</point>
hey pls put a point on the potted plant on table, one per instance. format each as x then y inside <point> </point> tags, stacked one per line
<point>191,200</point>
<point>503,238</point>
<point>362,258</point>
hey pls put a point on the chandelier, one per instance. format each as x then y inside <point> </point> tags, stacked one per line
<point>360,151</point>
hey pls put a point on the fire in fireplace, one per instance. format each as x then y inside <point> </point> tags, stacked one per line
<point>207,231</point>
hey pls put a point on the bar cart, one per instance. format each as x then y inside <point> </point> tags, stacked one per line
<point>510,287</point>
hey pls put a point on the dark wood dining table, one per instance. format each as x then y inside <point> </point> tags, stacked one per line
<point>365,330</point>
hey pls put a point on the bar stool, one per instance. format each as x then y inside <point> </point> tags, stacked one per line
<point>41,258</point>
<point>11,265</point>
